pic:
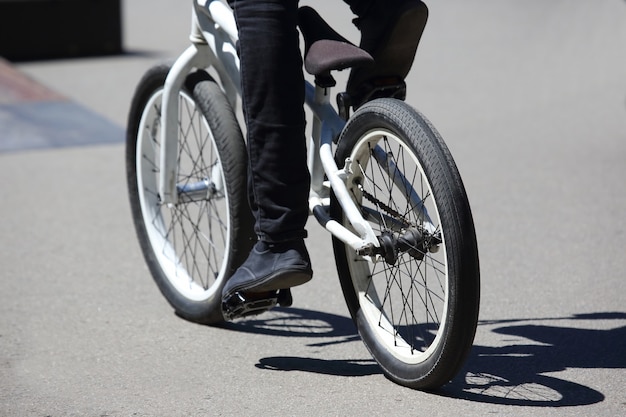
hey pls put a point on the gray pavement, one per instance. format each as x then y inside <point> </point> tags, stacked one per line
<point>530,97</point>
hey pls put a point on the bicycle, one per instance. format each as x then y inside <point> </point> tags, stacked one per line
<point>391,197</point>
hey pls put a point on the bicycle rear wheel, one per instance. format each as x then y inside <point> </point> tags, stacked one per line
<point>193,246</point>
<point>415,302</point>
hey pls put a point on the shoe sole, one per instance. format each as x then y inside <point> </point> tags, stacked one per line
<point>279,280</point>
<point>282,280</point>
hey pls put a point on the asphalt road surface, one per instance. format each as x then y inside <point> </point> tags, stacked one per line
<point>530,97</point>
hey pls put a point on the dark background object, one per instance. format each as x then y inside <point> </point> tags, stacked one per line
<point>44,29</point>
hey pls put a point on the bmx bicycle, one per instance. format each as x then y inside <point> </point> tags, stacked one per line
<point>383,184</point>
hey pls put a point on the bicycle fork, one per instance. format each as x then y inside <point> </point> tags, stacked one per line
<point>213,35</point>
<point>328,125</point>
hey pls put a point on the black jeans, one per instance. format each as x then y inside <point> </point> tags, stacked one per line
<point>273,100</point>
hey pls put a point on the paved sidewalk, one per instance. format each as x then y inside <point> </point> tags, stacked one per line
<point>33,116</point>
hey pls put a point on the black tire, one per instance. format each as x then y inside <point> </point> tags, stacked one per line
<point>192,247</point>
<point>416,302</point>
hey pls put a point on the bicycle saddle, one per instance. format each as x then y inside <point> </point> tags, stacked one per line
<point>325,49</point>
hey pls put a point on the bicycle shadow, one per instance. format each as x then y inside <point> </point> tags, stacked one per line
<point>297,322</point>
<point>329,329</point>
<point>511,374</point>
<point>515,373</point>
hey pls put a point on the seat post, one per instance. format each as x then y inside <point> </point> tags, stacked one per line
<point>325,80</point>
<point>322,98</point>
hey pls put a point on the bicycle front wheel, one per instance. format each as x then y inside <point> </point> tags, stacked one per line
<point>193,246</point>
<point>415,301</point>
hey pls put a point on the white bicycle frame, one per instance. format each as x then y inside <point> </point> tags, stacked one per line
<point>213,39</point>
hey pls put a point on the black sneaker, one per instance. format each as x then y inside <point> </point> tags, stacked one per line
<point>390,32</point>
<point>271,267</point>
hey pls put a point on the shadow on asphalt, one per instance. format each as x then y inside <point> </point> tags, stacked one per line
<point>516,373</point>
<point>296,322</point>
<point>323,329</point>
<point>512,374</point>
<point>320,366</point>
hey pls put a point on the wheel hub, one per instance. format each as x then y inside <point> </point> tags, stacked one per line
<point>412,241</point>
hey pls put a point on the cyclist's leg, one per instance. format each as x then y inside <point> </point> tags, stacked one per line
<point>390,32</point>
<point>273,99</point>
<point>273,96</point>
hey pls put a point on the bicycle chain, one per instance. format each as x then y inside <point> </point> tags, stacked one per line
<point>395,214</point>
<point>372,199</point>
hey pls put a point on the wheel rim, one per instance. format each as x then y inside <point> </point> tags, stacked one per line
<point>189,239</point>
<point>403,304</point>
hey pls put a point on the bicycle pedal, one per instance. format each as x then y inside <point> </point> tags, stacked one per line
<point>284,298</point>
<point>240,305</point>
